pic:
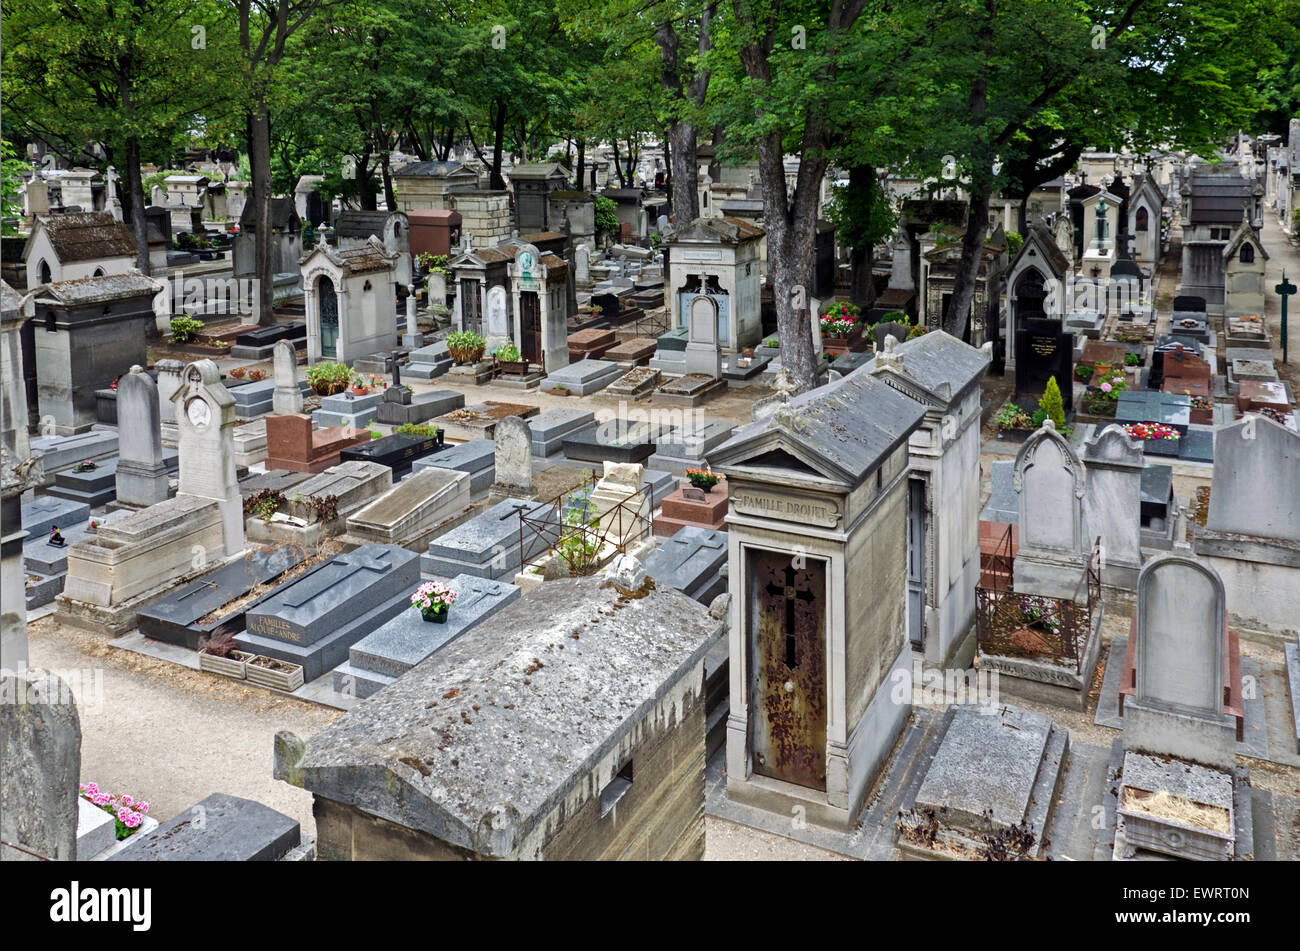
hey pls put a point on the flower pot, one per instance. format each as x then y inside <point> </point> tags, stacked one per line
<point>435,615</point>
<point>287,680</point>
<point>513,367</point>
<point>234,666</point>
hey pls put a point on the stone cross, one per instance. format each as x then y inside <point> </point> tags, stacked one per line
<point>141,474</point>
<point>684,549</point>
<point>1284,290</point>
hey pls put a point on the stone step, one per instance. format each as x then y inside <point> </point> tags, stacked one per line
<point>351,680</point>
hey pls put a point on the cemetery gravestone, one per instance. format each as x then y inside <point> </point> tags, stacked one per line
<point>514,455</point>
<point>691,561</point>
<point>491,545</point>
<point>703,355</point>
<point>286,398</point>
<point>141,473</point>
<point>1054,548</point>
<point>40,746</point>
<point>381,657</point>
<point>232,830</point>
<point>1179,706</point>
<point>1114,504</point>
<point>1043,351</point>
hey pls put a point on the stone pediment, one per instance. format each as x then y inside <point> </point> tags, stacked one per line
<point>830,437</point>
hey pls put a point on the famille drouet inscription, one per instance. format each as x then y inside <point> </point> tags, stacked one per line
<point>788,507</point>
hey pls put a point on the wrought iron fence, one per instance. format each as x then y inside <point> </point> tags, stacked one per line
<point>570,527</point>
<point>1012,624</point>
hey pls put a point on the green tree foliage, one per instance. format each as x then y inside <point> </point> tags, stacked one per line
<point>1052,404</point>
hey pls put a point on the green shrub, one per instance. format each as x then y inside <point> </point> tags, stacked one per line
<point>185,328</point>
<point>507,353</point>
<point>422,430</point>
<point>1052,406</point>
<point>328,378</point>
<point>606,213</point>
<point>1132,360</point>
<point>1084,372</point>
<point>465,346</point>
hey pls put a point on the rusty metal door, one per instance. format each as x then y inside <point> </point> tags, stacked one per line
<point>788,647</point>
<point>530,327</point>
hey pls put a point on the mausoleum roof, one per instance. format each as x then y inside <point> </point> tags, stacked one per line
<point>717,231</point>
<point>86,236</point>
<point>362,224</point>
<point>842,430</point>
<point>937,362</point>
<point>479,742</point>
<point>90,290</point>
<point>433,170</point>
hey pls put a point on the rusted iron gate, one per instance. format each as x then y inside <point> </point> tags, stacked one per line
<point>1064,624</point>
<point>548,527</point>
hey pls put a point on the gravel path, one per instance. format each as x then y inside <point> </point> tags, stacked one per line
<point>171,735</point>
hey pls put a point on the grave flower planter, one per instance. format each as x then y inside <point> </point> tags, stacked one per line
<point>1156,438</point>
<point>433,600</point>
<point>513,367</point>
<point>854,342</point>
<point>277,674</point>
<point>233,666</point>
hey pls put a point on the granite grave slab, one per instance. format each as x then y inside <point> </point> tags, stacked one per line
<point>490,545</point>
<point>421,408</point>
<point>691,561</point>
<point>233,830</point>
<point>345,409</point>
<point>583,377</point>
<point>476,457</point>
<point>397,451</point>
<point>550,428</point>
<point>175,618</point>
<point>390,651</point>
<point>315,619</point>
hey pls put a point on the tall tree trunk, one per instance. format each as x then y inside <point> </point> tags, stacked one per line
<point>582,160</point>
<point>618,168</point>
<point>981,190</point>
<point>259,159</point>
<point>135,197</point>
<point>366,183</point>
<point>498,145</point>
<point>791,230</point>
<point>1022,225</point>
<point>684,171</point>
<point>862,288</point>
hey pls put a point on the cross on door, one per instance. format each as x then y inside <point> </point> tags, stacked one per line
<point>791,595</point>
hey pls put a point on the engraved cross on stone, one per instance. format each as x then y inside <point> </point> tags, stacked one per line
<point>684,549</point>
<point>790,595</point>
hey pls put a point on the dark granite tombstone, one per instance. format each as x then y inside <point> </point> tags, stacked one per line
<point>315,619</point>
<point>890,328</point>
<point>691,561</point>
<point>1043,351</point>
<point>397,451</point>
<point>221,828</point>
<point>175,619</point>
<point>267,336</point>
